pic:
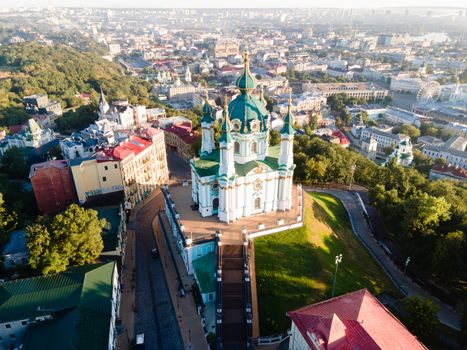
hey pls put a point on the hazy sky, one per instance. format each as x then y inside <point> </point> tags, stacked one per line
<point>233,3</point>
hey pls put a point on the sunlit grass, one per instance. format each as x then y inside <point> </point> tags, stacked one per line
<point>296,268</point>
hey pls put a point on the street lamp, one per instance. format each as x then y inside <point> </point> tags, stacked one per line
<point>352,170</point>
<point>338,261</point>
<point>406,263</point>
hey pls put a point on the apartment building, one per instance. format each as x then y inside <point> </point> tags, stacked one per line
<point>360,90</point>
<point>384,139</point>
<point>53,187</point>
<point>143,164</point>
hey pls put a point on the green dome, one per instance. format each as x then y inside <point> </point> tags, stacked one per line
<point>246,82</point>
<point>246,107</point>
<point>207,111</point>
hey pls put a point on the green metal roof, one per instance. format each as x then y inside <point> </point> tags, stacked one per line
<point>246,82</point>
<point>205,268</point>
<point>208,165</point>
<point>79,299</point>
<point>245,108</point>
<point>288,123</point>
<point>111,228</point>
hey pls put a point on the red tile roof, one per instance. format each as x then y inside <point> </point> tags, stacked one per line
<point>342,138</point>
<point>135,146</point>
<point>355,320</point>
<point>184,131</point>
<point>450,169</point>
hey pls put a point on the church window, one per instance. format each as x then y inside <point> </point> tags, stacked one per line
<point>257,203</point>
<point>236,147</point>
<point>253,147</point>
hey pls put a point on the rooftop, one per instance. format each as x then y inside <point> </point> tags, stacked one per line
<point>208,165</point>
<point>354,320</point>
<point>110,232</point>
<point>205,271</point>
<point>78,301</point>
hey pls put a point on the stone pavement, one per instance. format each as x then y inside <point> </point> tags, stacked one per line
<point>188,319</point>
<point>127,315</point>
<point>447,315</point>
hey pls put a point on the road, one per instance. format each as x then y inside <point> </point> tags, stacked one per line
<point>447,315</point>
<point>179,168</point>
<point>155,316</point>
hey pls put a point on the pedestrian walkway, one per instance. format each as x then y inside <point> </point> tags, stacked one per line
<point>447,315</point>
<point>127,301</point>
<point>189,321</point>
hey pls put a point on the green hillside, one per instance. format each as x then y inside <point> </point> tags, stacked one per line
<point>60,71</point>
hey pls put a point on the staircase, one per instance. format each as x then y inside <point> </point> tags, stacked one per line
<point>234,329</point>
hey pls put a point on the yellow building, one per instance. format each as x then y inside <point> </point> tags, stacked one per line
<point>94,177</point>
<point>135,167</point>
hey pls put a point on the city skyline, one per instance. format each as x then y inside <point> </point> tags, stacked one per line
<point>237,4</point>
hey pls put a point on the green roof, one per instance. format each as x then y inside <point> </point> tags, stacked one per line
<point>246,81</point>
<point>111,229</point>
<point>79,300</point>
<point>208,165</point>
<point>205,269</point>
<point>245,108</point>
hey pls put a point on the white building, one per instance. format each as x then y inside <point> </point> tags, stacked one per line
<point>31,136</point>
<point>383,138</point>
<point>405,83</point>
<point>402,153</point>
<point>453,152</point>
<point>245,176</point>
<point>122,113</point>
<point>399,116</point>
<point>369,147</point>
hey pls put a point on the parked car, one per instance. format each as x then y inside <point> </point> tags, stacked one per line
<point>154,253</point>
<point>139,341</point>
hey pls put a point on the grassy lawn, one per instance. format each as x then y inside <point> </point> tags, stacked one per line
<point>296,268</point>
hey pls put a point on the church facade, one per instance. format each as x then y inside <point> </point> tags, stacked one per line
<point>243,176</point>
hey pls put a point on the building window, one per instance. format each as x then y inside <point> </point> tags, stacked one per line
<point>8,325</point>
<point>24,323</point>
<point>257,203</point>
<point>253,147</point>
<point>106,167</point>
<point>104,178</point>
<point>115,166</point>
<point>12,336</point>
<point>236,147</point>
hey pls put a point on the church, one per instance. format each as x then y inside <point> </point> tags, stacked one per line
<point>243,176</point>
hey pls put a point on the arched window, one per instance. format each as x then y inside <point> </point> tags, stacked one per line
<point>253,147</point>
<point>257,203</point>
<point>215,203</point>
<point>236,147</point>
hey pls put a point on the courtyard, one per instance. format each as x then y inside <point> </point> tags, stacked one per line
<point>198,227</point>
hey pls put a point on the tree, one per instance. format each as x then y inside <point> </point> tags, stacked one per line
<point>315,170</point>
<point>423,213</point>
<point>15,163</point>
<point>71,238</point>
<point>274,137</point>
<point>408,130</point>
<point>449,255</point>
<point>7,221</point>
<point>421,317</point>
